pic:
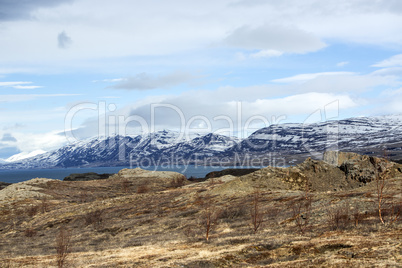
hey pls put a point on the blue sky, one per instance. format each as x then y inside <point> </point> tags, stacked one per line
<point>75,69</point>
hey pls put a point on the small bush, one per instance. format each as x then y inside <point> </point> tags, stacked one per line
<point>338,217</point>
<point>63,246</point>
<point>357,215</point>
<point>232,213</point>
<point>301,211</point>
<point>209,215</point>
<point>256,213</point>
<point>392,213</point>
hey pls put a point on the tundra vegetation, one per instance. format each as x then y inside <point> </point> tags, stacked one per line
<point>325,214</point>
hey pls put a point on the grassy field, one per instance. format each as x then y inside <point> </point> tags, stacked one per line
<point>160,220</point>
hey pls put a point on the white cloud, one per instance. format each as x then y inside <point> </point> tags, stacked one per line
<point>26,87</point>
<point>30,142</point>
<point>29,97</point>
<point>12,84</point>
<point>342,63</point>
<point>103,30</point>
<point>144,81</point>
<point>270,37</point>
<point>114,80</point>
<point>8,138</point>
<point>268,53</point>
<point>18,85</point>
<point>10,70</point>
<point>174,112</point>
<point>394,71</point>
<point>300,78</point>
<point>391,62</point>
<point>12,10</point>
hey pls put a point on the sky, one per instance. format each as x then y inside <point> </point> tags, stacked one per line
<point>75,69</point>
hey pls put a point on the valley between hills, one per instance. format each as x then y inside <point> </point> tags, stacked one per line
<point>315,214</point>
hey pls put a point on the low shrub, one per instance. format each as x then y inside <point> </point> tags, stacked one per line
<point>338,217</point>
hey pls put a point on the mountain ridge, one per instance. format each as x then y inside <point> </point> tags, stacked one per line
<point>289,142</point>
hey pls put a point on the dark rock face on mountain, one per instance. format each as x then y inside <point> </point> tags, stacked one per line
<point>87,176</point>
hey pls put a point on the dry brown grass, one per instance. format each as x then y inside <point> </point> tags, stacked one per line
<point>161,228</point>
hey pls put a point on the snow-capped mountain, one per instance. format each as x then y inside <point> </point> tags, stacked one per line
<point>362,134</point>
<point>201,146</point>
<point>148,149</point>
<point>367,135</point>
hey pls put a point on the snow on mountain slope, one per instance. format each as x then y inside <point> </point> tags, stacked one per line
<point>349,134</point>
<point>119,150</point>
<point>201,146</point>
<point>24,155</point>
<point>362,134</point>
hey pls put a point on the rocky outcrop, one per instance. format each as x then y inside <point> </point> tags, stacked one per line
<point>150,180</point>
<point>237,172</point>
<point>340,171</point>
<point>90,176</point>
<point>30,189</point>
<point>362,168</point>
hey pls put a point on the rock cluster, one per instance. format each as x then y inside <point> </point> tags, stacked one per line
<point>86,176</point>
<point>362,168</point>
<point>237,172</point>
<point>340,171</point>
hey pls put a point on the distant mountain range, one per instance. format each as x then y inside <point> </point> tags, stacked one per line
<point>281,144</point>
